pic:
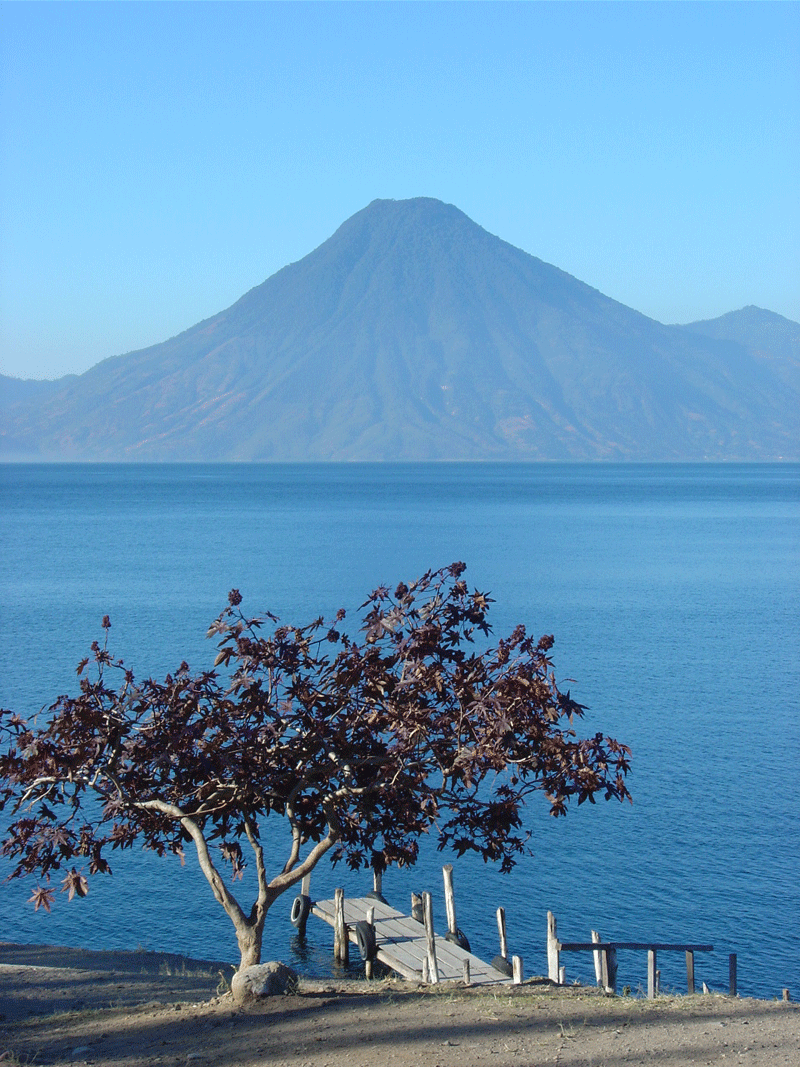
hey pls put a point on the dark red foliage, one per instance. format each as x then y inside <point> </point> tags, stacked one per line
<point>360,742</point>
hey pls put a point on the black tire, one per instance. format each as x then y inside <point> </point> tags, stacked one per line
<point>365,938</point>
<point>501,964</point>
<point>301,907</point>
<point>373,895</point>
<point>458,938</point>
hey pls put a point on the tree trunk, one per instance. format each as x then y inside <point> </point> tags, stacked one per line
<point>249,937</point>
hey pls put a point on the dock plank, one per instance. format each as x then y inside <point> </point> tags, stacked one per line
<point>402,945</point>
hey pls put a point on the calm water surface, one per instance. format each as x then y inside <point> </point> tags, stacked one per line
<point>674,596</point>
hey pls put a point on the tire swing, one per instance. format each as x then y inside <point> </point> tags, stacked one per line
<point>301,908</point>
<point>365,939</point>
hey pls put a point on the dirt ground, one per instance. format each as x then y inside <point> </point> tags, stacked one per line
<point>65,1006</point>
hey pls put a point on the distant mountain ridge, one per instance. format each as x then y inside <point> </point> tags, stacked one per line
<point>413,334</point>
<point>768,337</point>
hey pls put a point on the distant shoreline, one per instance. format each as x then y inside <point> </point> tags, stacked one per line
<point>117,960</point>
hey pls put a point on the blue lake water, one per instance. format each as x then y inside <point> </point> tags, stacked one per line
<point>673,593</point>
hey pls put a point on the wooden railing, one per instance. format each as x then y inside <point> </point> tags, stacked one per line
<point>605,958</point>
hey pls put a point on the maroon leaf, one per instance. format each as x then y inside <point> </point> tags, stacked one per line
<point>42,898</point>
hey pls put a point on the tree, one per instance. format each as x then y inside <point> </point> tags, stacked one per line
<point>359,743</point>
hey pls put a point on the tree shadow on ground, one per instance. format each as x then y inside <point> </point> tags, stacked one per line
<point>449,1027</point>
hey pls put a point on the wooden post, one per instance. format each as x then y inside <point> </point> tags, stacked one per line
<point>611,967</point>
<point>433,966</point>
<point>553,960</point>
<point>516,963</point>
<point>786,995</point>
<point>450,899</point>
<point>501,929</point>
<point>651,973</point>
<point>426,971</point>
<point>467,978</point>
<point>370,917</point>
<point>305,885</point>
<point>562,975</point>
<point>605,965</point>
<point>690,972</point>
<point>732,973</point>
<point>341,942</point>
<point>377,880</point>
<point>600,962</point>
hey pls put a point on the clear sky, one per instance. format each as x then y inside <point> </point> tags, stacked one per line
<point>159,160</point>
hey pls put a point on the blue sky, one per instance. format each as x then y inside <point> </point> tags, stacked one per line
<point>159,160</point>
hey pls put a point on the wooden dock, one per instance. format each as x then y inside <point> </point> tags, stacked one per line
<point>402,942</point>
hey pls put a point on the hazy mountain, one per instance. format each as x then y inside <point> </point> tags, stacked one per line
<point>412,334</point>
<point>768,336</point>
<point>19,390</point>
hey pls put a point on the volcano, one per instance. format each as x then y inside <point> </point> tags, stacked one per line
<point>413,334</point>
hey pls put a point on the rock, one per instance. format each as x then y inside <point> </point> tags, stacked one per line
<point>263,980</point>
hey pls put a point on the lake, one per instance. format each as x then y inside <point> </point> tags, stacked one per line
<point>673,592</point>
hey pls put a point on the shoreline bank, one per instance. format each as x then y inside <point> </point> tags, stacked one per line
<point>146,1009</point>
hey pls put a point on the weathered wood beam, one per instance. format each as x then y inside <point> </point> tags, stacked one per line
<point>450,899</point>
<point>553,946</point>
<point>656,946</point>
<point>651,973</point>
<point>430,936</point>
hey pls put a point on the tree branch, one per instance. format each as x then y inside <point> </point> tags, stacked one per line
<point>218,887</point>
<point>261,871</point>
<point>285,879</point>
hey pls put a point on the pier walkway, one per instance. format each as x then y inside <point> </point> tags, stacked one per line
<point>402,943</point>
